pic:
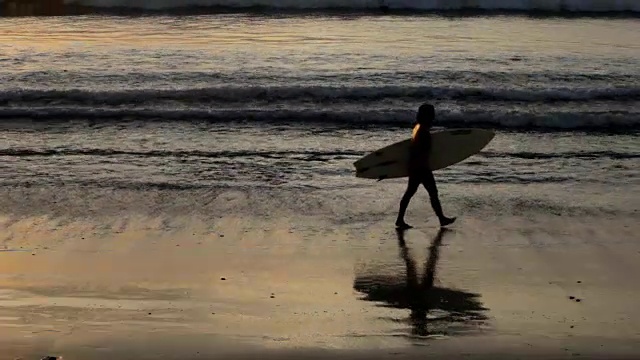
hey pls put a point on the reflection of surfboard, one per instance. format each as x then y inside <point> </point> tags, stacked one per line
<point>448,147</point>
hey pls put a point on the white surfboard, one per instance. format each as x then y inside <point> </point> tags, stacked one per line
<point>448,147</point>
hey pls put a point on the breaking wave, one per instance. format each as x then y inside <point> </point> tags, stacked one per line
<point>604,121</point>
<point>596,108</point>
<point>316,94</point>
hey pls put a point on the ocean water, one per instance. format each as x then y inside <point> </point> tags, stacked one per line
<point>94,109</point>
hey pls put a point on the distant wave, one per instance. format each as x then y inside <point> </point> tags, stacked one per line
<point>588,6</point>
<point>316,94</point>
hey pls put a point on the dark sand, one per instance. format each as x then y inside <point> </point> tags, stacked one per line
<point>183,288</point>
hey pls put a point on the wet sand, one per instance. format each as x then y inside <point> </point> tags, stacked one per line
<point>142,287</point>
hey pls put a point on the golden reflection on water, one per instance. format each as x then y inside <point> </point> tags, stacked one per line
<point>359,35</point>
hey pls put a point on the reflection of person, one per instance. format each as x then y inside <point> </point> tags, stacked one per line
<point>419,292</point>
<point>419,172</point>
<point>433,310</point>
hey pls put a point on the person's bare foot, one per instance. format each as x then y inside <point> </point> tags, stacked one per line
<point>401,225</point>
<point>446,221</point>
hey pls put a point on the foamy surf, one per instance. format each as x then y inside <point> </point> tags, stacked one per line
<point>320,94</point>
<point>593,109</point>
<point>603,121</point>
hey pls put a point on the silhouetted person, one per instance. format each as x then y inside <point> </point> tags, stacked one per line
<point>419,172</point>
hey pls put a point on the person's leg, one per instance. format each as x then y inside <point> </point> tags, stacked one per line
<point>429,182</point>
<point>412,188</point>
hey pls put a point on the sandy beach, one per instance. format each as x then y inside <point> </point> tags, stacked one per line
<point>137,286</point>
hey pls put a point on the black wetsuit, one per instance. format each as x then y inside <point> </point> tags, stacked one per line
<point>419,172</point>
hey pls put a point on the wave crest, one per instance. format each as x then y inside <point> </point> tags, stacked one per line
<point>318,94</point>
<point>550,121</point>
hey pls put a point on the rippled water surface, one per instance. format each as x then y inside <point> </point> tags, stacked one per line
<point>288,101</point>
